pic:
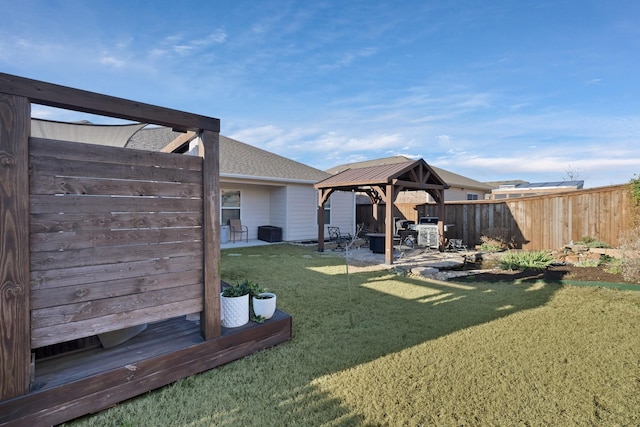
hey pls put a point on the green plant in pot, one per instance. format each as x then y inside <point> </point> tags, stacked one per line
<point>234,305</point>
<point>262,303</point>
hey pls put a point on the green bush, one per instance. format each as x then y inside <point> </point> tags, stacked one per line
<point>631,258</point>
<point>487,247</point>
<point>592,242</point>
<point>634,187</point>
<point>526,260</point>
<point>496,239</point>
<point>588,263</point>
<point>612,265</point>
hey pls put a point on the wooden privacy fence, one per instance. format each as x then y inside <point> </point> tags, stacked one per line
<point>534,223</point>
<point>116,238</point>
<point>544,222</point>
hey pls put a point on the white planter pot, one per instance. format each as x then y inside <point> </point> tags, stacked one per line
<point>234,311</point>
<point>265,307</point>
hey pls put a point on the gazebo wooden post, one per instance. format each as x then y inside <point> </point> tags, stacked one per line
<point>441,220</point>
<point>388,224</point>
<point>323,196</point>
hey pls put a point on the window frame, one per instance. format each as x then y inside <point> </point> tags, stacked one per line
<point>224,209</point>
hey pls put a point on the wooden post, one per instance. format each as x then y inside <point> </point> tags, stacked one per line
<point>441,213</point>
<point>15,348</point>
<point>210,322</point>
<point>323,195</point>
<point>375,207</point>
<point>388,225</point>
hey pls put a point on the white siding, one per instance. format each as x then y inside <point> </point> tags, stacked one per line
<point>302,223</point>
<point>254,206</point>
<point>343,207</point>
<point>278,209</point>
<point>293,208</point>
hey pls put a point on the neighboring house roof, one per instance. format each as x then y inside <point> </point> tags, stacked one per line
<point>548,185</point>
<point>237,159</point>
<point>497,184</point>
<point>512,189</point>
<point>452,179</point>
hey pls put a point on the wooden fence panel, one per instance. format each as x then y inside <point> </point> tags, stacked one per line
<point>116,238</point>
<point>543,222</point>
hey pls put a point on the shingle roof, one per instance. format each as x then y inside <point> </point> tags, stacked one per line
<point>452,179</point>
<point>237,159</point>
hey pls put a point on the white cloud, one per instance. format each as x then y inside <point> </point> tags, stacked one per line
<point>111,61</point>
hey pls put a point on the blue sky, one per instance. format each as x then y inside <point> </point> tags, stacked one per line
<point>493,90</point>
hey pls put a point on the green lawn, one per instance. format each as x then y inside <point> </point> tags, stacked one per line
<point>392,350</point>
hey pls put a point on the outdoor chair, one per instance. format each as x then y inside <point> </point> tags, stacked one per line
<point>456,245</point>
<point>338,238</point>
<point>405,243</point>
<point>236,227</point>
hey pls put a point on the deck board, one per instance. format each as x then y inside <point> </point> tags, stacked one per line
<point>93,379</point>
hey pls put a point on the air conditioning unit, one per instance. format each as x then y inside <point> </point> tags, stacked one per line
<point>427,235</point>
<point>428,220</point>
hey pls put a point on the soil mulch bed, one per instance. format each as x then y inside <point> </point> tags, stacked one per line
<point>554,274</point>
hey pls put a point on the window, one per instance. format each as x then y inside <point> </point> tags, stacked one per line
<point>472,196</point>
<point>229,206</point>
<point>327,211</point>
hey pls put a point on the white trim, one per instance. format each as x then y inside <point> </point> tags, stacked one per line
<point>267,178</point>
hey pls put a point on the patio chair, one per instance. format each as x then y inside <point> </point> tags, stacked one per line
<point>236,227</point>
<point>338,238</point>
<point>456,245</point>
<point>405,243</point>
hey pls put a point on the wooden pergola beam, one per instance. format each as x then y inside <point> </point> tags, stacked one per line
<point>179,142</point>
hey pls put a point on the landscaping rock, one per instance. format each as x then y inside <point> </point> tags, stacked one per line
<point>447,264</point>
<point>424,271</point>
<point>577,249</point>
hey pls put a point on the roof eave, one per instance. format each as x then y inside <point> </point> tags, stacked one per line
<point>267,178</point>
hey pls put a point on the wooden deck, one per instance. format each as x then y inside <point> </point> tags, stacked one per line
<point>92,379</point>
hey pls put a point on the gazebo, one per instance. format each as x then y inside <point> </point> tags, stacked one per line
<point>383,184</point>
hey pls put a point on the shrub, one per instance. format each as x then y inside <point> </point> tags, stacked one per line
<point>612,265</point>
<point>592,242</point>
<point>630,262</point>
<point>588,263</point>
<point>532,260</point>
<point>496,239</point>
<point>634,188</point>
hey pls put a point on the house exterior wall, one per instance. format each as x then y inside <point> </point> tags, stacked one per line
<point>450,194</point>
<point>292,207</point>
<point>504,193</point>
<point>254,205</point>
<point>456,194</point>
<point>343,213</point>
<point>416,197</point>
<point>301,213</point>
<point>278,209</point>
